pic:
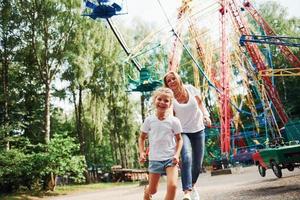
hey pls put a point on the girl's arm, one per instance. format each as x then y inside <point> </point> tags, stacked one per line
<point>203,109</point>
<point>179,143</point>
<point>142,139</point>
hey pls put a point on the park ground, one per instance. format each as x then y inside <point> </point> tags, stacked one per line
<point>244,183</point>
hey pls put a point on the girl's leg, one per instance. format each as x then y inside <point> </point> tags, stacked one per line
<point>172,177</point>
<point>198,146</point>
<point>152,187</point>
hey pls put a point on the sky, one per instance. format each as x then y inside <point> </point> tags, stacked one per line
<point>292,6</point>
<point>149,10</point>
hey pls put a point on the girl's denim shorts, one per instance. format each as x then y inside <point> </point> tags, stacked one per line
<point>159,167</point>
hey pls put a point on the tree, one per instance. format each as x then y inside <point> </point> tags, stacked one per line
<point>9,23</point>
<point>49,25</point>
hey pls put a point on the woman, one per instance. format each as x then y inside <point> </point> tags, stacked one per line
<point>190,110</point>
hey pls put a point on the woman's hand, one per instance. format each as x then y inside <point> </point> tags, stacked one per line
<point>143,157</point>
<point>207,121</point>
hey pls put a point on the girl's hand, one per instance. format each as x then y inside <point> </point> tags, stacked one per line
<point>176,159</point>
<point>143,157</point>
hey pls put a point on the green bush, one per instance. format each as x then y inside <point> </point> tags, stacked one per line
<point>16,169</point>
<point>60,158</point>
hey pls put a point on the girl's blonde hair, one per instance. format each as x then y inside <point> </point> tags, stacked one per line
<point>163,91</point>
<point>174,74</point>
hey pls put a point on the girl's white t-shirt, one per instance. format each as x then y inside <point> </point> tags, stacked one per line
<point>161,135</point>
<point>189,114</point>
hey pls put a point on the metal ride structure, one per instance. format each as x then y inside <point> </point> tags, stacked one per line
<point>294,61</point>
<point>175,55</point>
<point>281,156</point>
<point>257,62</point>
<point>174,60</point>
<point>226,9</point>
<point>275,40</point>
<point>249,41</point>
<point>176,52</point>
<point>225,108</point>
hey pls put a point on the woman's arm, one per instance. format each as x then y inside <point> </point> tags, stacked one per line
<point>203,109</point>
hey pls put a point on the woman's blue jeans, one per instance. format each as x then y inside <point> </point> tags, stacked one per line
<point>192,154</point>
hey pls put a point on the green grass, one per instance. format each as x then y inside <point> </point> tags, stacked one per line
<point>63,190</point>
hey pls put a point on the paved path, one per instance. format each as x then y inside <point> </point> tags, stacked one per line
<point>243,184</point>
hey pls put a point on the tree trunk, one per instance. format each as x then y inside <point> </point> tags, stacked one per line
<point>5,67</point>
<point>116,132</point>
<point>75,109</point>
<point>79,122</point>
<point>49,182</point>
<point>112,134</point>
<point>124,132</point>
<point>78,116</point>
<point>47,113</point>
<point>123,143</point>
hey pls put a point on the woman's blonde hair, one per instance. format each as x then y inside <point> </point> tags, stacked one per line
<point>174,74</point>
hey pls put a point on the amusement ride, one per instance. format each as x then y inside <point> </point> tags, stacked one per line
<point>227,44</point>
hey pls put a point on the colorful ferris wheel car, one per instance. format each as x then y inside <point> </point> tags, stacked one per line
<point>277,158</point>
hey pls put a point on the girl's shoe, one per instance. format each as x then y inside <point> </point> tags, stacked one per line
<point>147,196</point>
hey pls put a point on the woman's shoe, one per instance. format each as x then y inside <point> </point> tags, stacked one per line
<point>187,196</point>
<point>194,195</point>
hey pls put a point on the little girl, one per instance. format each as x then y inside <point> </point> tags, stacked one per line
<point>164,133</point>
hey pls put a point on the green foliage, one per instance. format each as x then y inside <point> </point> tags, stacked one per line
<point>212,149</point>
<point>62,123</point>
<point>61,159</point>
<point>27,165</point>
<point>118,144</point>
<point>14,169</point>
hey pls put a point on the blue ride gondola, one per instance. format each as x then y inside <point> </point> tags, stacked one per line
<point>105,9</point>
